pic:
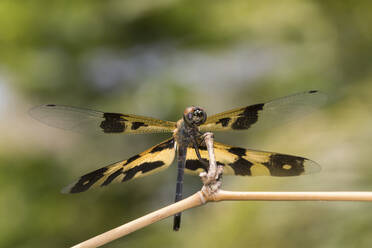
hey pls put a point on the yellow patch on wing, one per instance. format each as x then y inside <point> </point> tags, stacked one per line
<point>246,162</point>
<point>260,170</point>
<point>152,160</point>
<point>142,124</point>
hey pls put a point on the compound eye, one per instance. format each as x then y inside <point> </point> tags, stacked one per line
<point>195,116</point>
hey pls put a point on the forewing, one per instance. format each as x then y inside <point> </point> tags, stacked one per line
<point>85,120</point>
<point>152,160</point>
<point>246,162</point>
<point>266,114</point>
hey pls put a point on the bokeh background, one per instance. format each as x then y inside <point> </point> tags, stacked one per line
<point>155,58</point>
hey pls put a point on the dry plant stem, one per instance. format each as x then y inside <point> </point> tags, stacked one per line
<point>212,171</point>
<point>198,199</point>
<point>212,179</point>
<point>190,202</point>
<point>222,195</point>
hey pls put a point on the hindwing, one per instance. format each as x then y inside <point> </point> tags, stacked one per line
<point>246,162</point>
<point>152,160</point>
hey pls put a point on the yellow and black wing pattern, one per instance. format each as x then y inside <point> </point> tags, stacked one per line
<point>152,160</point>
<point>92,121</point>
<point>266,114</point>
<point>245,162</point>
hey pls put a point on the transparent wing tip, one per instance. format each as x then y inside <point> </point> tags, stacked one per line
<point>321,96</point>
<point>67,189</point>
<point>311,167</point>
<point>36,112</point>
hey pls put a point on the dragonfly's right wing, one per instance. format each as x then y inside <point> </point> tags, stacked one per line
<point>85,120</point>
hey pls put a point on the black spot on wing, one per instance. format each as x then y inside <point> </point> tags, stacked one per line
<point>131,159</point>
<point>50,105</point>
<point>112,177</point>
<point>86,181</point>
<point>277,161</point>
<point>237,151</point>
<point>313,91</point>
<point>144,167</point>
<point>113,123</point>
<point>195,164</point>
<point>248,117</point>
<point>162,146</point>
<point>241,167</point>
<point>138,124</point>
<point>224,121</point>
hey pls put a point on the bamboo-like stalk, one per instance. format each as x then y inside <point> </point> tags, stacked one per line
<point>211,192</point>
<point>198,199</point>
<point>104,238</point>
<point>222,195</point>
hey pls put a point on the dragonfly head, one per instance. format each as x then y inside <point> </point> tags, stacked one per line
<point>194,116</point>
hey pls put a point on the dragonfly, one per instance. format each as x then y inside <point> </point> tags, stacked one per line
<point>186,142</point>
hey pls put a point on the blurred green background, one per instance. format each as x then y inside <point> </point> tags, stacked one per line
<point>155,58</point>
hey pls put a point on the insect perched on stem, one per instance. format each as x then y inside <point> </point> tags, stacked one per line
<point>187,142</point>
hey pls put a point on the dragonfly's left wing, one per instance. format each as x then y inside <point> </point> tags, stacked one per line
<point>267,114</point>
<point>246,162</point>
<point>86,120</point>
<point>152,160</point>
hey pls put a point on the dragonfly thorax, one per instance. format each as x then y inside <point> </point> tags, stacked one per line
<point>194,116</point>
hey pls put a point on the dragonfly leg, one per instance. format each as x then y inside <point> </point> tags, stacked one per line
<point>196,148</point>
